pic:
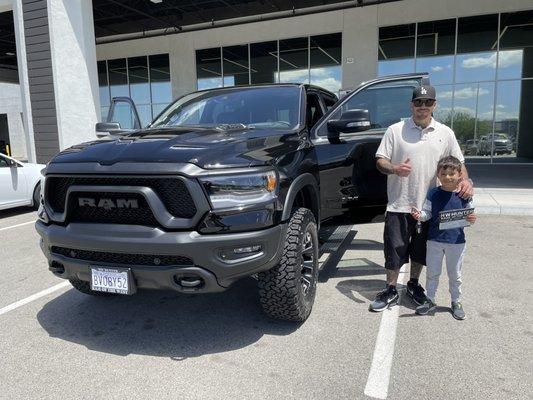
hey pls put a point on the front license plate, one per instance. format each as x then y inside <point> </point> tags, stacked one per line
<point>112,280</point>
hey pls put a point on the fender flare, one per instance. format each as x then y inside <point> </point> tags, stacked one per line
<point>300,182</point>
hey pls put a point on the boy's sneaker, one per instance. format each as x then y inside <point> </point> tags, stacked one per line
<point>426,308</point>
<point>385,299</point>
<point>457,310</point>
<point>416,292</point>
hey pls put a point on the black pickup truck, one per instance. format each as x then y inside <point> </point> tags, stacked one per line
<point>223,184</point>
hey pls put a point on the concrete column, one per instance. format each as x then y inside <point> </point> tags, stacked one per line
<point>75,78</point>
<point>27,119</point>
<point>182,67</point>
<point>359,46</point>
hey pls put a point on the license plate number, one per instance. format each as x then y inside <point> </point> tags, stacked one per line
<point>112,280</point>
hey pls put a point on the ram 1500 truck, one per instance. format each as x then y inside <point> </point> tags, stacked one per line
<point>224,184</point>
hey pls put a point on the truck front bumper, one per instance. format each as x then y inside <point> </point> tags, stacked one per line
<point>216,260</point>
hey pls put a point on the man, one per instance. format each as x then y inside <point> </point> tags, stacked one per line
<point>408,155</point>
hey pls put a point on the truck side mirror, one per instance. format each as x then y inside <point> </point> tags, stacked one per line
<point>109,128</point>
<point>351,121</point>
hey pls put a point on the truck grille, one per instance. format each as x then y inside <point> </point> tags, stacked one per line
<point>142,215</point>
<point>171,190</point>
<point>122,258</point>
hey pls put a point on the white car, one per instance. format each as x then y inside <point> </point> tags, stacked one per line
<point>19,183</point>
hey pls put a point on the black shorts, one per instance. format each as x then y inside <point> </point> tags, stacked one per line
<point>402,242</point>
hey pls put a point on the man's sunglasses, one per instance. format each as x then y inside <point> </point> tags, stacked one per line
<point>425,102</point>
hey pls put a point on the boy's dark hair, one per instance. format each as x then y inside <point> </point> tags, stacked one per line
<point>449,162</point>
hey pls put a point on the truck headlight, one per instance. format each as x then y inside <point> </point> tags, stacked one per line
<point>231,191</point>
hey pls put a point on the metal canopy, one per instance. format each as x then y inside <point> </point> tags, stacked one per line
<point>119,17</point>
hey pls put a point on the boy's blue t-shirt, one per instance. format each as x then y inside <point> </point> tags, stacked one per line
<point>442,200</point>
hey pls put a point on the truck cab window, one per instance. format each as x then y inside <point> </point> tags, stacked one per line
<point>314,110</point>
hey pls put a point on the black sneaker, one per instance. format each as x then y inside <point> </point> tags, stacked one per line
<point>416,292</point>
<point>385,299</point>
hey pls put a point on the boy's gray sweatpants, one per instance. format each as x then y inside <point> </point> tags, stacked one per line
<point>454,261</point>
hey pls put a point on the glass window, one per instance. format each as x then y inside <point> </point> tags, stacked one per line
<point>208,68</point>
<point>102,84</point>
<point>329,102</point>
<point>443,110</point>
<point>236,66</point>
<point>157,108</point>
<point>474,67</point>
<point>435,49</point>
<point>326,61</point>
<point>516,30</point>
<point>103,113</point>
<point>436,38</point>
<point>396,42</point>
<point>145,113</point>
<point>440,68</point>
<point>314,110</point>
<point>513,118</point>
<point>293,60</point>
<point>264,62</point>
<point>396,50</point>
<point>160,78</point>
<point>516,45</point>
<point>395,67</point>
<point>472,111</point>
<point>138,77</point>
<point>476,34</point>
<point>476,48</point>
<point>266,107</point>
<point>387,102</point>
<point>118,78</point>
<point>123,114</point>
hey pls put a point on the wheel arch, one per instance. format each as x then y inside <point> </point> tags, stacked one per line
<point>303,192</point>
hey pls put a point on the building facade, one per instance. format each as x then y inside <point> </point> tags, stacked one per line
<point>479,55</point>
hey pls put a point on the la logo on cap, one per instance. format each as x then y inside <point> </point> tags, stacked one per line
<point>423,91</point>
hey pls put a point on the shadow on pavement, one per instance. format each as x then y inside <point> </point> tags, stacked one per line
<point>11,212</point>
<point>162,324</point>
<point>438,310</point>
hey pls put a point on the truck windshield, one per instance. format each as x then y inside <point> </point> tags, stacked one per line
<point>260,108</point>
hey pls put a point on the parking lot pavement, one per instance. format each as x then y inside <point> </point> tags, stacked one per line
<point>163,345</point>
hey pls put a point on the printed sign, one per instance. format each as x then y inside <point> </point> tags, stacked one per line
<point>450,219</point>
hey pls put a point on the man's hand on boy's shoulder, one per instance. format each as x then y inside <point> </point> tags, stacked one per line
<point>465,188</point>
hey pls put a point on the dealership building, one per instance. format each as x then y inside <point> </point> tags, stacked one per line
<point>62,61</point>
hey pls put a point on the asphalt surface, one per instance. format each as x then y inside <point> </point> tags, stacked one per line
<point>166,346</point>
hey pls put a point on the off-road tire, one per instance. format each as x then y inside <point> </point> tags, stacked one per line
<point>283,291</point>
<point>85,287</point>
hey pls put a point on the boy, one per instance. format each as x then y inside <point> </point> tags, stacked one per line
<point>443,241</point>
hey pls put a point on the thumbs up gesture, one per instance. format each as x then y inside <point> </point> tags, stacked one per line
<point>404,168</point>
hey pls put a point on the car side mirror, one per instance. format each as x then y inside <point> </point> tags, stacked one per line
<point>351,121</point>
<point>109,128</point>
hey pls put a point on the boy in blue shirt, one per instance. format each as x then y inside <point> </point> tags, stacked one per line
<point>448,242</point>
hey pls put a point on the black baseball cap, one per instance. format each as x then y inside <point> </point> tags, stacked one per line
<point>424,92</point>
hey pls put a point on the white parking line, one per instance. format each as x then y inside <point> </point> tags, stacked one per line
<point>377,385</point>
<point>33,297</point>
<point>14,226</point>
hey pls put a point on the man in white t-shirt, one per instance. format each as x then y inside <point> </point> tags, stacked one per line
<point>408,154</point>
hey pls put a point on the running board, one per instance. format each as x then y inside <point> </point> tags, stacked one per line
<point>334,238</point>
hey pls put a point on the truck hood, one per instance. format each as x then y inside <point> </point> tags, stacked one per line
<point>204,147</point>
